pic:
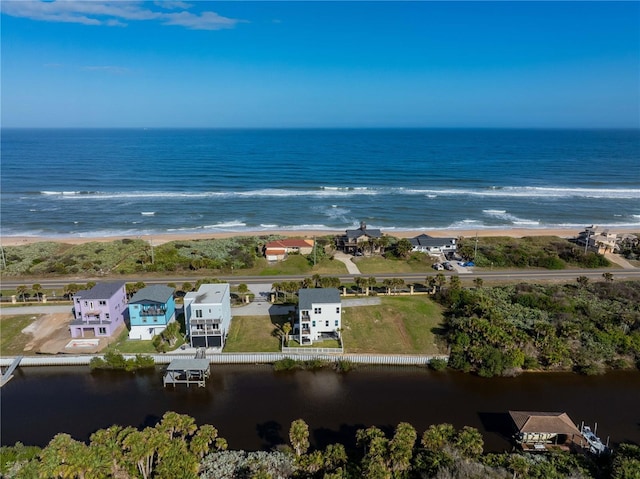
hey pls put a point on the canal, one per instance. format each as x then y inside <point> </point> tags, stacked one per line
<point>252,406</point>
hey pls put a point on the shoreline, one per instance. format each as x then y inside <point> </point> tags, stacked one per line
<point>162,238</point>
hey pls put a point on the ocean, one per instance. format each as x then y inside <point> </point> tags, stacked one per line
<point>108,182</point>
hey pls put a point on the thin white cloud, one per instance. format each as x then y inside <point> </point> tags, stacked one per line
<point>173,5</point>
<point>115,13</point>
<point>204,21</point>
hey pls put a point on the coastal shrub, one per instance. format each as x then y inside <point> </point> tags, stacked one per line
<point>116,361</point>
<point>438,364</point>
<point>344,366</point>
<point>286,364</point>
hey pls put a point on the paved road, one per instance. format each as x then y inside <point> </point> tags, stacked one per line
<point>487,275</point>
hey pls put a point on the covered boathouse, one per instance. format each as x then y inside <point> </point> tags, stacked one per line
<point>187,371</point>
<point>540,431</point>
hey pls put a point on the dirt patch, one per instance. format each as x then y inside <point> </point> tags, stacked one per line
<point>50,335</point>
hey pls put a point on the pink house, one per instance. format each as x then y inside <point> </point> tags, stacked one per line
<point>99,311</point>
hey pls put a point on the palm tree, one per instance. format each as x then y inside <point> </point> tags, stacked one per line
<point>299,437</point>
<point>37,289</point>
<point>478,283</point>
<point>437,436</point>
<point>316,280</point>
<point>20,291</point>
<point>286,329</point>
<point>440,280</point>
<point>243,289</point>
<point>202,440</point>
<point>583,281</point>
<point>608,277</point>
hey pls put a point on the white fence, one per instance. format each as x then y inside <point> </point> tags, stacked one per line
<point>243,358</point>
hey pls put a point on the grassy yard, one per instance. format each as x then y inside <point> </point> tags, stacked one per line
<point>254,334</point>
<point>402,325</point>
<point>416,263</point>
<point>125,345</point>
<point>12,340</point>
<point>296,264</point>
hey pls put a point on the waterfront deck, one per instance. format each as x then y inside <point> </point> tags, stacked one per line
<point>187,371</point>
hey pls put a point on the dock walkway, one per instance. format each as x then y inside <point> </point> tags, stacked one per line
<point>8,374</point>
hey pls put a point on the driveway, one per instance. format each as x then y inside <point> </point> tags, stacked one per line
<point>346,259</point>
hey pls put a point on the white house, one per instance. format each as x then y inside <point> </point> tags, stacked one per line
<point>428,244</point>
<point>207,314</point>
<point>319,315</point>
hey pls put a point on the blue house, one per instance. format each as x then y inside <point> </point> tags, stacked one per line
<point>150,310</point>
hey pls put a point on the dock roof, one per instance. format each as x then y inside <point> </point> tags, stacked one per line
<point>188,365</point>
<point>543,422</point>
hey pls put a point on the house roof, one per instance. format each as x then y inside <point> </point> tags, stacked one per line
<point>543,422</point>
<point>307,297</point>
<point>430,241</point>
<point>275,251</point>
<point>209,293</point>
<point>290,243</point>
<point>100,290</point>
<point>363,231</point>
<point>156,293</point>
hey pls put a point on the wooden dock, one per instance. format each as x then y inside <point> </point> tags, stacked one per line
<point>187,371</point>
<point>8,374</point>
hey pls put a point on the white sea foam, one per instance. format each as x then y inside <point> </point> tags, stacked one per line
<point>147,213</point>
<point>331,191</point>
<point>494,212</point>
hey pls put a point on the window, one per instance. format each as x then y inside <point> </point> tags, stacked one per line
<point>155,320</point>
<point>336,323</point>
<point>144,320</point>
<point>216,326</point>
<point>102,331</point>
<point>313,324</point>
<point>338,310</point>
<point>317,310</point>
<point>198,313</point>
<point>106,316</point>
<point>102,302</point>
<point>86,304</point>
<point>326,324</point>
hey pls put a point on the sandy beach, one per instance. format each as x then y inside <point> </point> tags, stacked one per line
<point>164,238</point>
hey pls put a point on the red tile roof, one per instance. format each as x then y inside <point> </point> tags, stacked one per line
<point>290,243</point>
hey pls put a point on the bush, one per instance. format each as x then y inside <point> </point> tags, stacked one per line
<point>438,364</point>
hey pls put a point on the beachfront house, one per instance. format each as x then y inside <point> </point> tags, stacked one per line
<point>598,239</point>
<point>428,244</point>
<point>279,249</point>
<point>319,315</point>
<point>150,310</point>
<point>357,240</point>
<point>207,314</point>
<point>99,311</point>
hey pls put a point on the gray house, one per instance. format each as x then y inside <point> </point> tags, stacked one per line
<point>428,244</point>
<point>352,241</point>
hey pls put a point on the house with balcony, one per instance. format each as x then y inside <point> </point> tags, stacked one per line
<point>151,309</point>
<point>207,314</point>
<point>428,244</point>
<point>319,315</point>
<point>99,311</point>
<point>355,241</point>
<point>599,240</point>
<point>279,249</point>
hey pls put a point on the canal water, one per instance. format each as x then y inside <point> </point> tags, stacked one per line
<point>252,406</point>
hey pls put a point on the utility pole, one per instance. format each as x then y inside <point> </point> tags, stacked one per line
<point>475,250</point>
<point>3,260</point>
<point>151,244</point>
<point>314,250</point>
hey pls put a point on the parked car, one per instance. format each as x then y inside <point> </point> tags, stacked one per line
<point>448,266</point>
<point>437,266</point>
<point>468,264</point>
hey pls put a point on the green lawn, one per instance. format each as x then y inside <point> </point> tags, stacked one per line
<point>254,334</point>
<point>12,340</point>
<point>416,263</point>
<point>297,264</point>
<point>125,345</point>
<point>400,325</point>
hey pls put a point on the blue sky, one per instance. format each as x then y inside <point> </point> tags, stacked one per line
<point>71,63</point>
